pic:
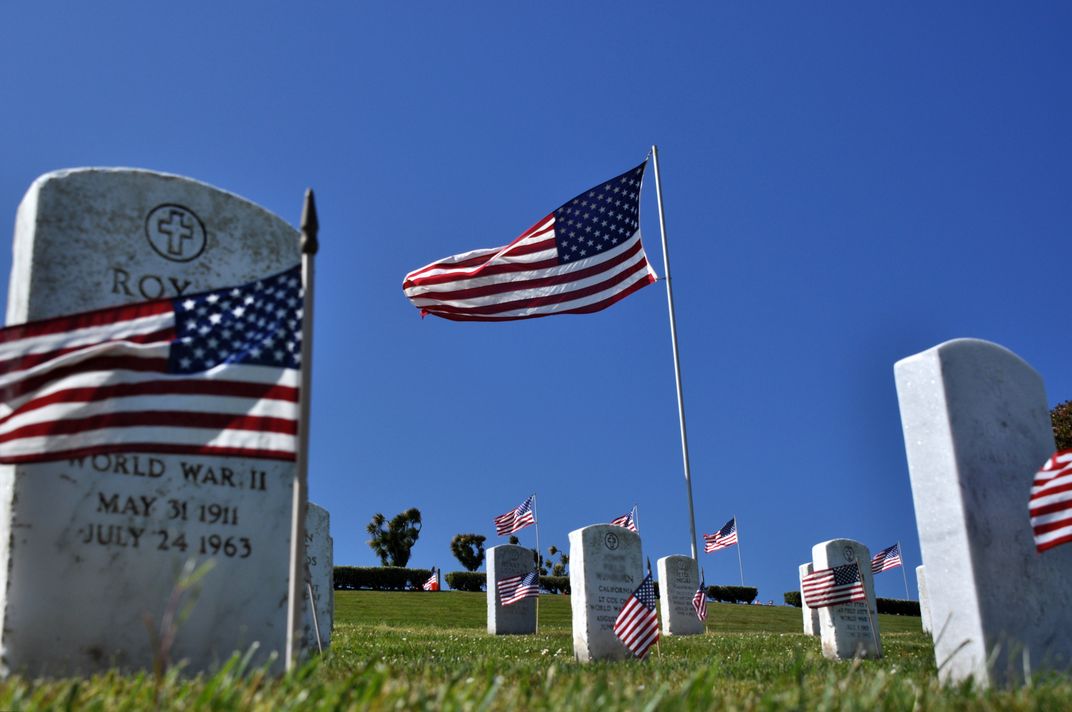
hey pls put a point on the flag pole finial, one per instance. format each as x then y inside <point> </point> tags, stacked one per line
<point>310,225</point>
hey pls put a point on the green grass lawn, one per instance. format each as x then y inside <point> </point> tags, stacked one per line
<point>402,651</point>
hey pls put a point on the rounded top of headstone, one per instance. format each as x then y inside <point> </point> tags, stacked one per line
<point>504,548</point>
<point>844,551</point>
<point>101,237</point>
<point>612,536</point>
<point>112,172</point>
<point>967,348</point>
<point>675,557</point>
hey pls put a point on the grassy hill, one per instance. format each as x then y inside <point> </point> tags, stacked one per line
<point>430,651</point>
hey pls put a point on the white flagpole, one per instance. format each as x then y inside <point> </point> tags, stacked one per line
<point>309,246</point>
<point>739,563</point>
<point>539,555</point>
<point>636,519</point>
<point>673,342</point>
<point>900,553</point>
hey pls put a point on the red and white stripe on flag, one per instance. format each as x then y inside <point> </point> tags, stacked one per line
<point>188,375</point>
<point>1050,504</point>
<point>581,258</point>
<point>637,625</point>
<point>834,586</point>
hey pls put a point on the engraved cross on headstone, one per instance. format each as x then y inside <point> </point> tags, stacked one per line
<point>178,228</point>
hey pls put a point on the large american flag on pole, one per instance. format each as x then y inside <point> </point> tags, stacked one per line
<point>1050,504</point>
<point>888,558</point>
<point>215,373</point>
<point>723,538</point>
<point>834,586</point>
<point>516,519</point>
<point>582,257</point>
<point>637,625</point>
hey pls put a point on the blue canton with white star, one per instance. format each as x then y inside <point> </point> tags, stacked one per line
<point>645,593</point>
<point>259,323</point>
<point>599,219</point>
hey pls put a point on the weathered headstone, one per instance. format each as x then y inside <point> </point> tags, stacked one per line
<point>91,548</point>
<point>605,569</point>
<point>845,629</point>
<point>319,561</point>
<point>678,581</point>
<point>811,615</point>
<point>924,602</point>
<point>504,561</point>
<point>976,429</point>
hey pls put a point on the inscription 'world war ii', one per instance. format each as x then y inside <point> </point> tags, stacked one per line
<point>175,232</point>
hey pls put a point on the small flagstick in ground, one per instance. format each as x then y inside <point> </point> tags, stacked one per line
<point>737,526</point>
<point>539,555</point>
<point>309,246</point>
<point>673,343</point>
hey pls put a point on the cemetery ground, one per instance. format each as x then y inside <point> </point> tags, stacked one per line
<point>430,651</point>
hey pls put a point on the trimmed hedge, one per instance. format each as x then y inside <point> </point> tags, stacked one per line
<point>467,580</point>
<point>379,578</point>
<point>892,606</point>
<point>732,594</point>
<point>898,607</point>
<point>555,584</point>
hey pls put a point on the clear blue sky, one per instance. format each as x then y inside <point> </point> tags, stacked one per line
<point>846,184</point>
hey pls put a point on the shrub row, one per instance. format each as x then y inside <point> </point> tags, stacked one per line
<point>892,606</point>
<point>732,594</point>
<point>467,580</point>
<point>379,578</point>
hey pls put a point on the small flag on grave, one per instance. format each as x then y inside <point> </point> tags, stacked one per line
<point>516,519</point>
<point>637,625</point>
<point>627,520</point>
<point>581,258</point>
<point>888,558</point>
<point>215,373</point>
<point>432,584</point>
<point>723,538</point>
<point>699,601</point>
<point>1050,504</point>
<point>832,587</point>
<point>518,588</point>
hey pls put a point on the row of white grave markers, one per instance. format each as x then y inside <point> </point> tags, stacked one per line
<point>976,429</point>
<point>92,547</point>
<point>606,566</point>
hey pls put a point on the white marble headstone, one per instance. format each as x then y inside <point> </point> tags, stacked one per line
<point>91,548</point>
<point>924,602</point>
<point>504,561</point>
<point>319,560</point>
<point>678,581</point>
<point>605,568</point>
<point>811,615</point>
<point>845,629</point>
<point>976,429</point>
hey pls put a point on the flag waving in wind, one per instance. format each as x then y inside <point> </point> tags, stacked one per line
<point>699,600</point>
<point>723,538</point>
<point>215,373</point>
<point>581,258</point>
<point>516,519</point>
<point>432,584</point>
<point>517,588</point>
<point>627,520</point>
<point>1050,503</point>
<point>832,587</point>
<point>888,558</point>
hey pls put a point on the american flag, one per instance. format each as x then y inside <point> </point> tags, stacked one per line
<point>637,626</point>
<point>699,601</point>
<point>215,373</point>
<point>432,584</point>
<point>627,520</point>
<point>724,537</point>
<point>517,588</point>
<point>581,258</point>
<point>831,587</point>
<point>888,558</point>
<point>517,518</point>
<point>1050,504</point>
